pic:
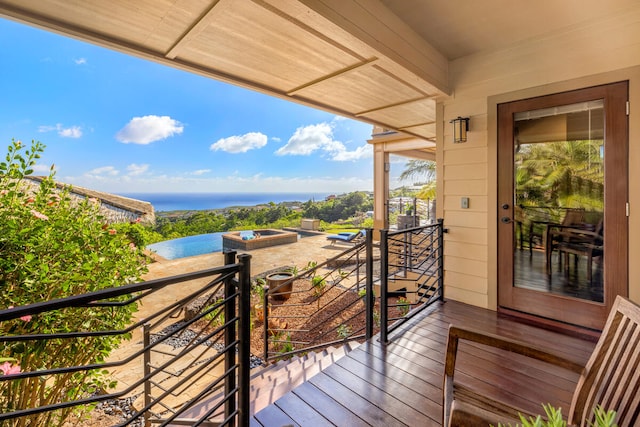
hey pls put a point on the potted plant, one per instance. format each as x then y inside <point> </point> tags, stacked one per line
<point>409,219</point>
<point>280,285</point>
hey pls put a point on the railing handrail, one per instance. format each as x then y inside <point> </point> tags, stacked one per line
<point>87,299</point>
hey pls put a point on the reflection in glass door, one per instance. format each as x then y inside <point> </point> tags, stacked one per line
<point>559,200</point>
<point>562,205</point>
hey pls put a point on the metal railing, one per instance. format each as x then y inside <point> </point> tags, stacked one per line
<point>193,353</point>
<point>181,360</point>
<point>412,273</point>
<point>330,303</point>
<point>365,290</point>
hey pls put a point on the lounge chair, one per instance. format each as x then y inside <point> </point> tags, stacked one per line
<point>351,238</point>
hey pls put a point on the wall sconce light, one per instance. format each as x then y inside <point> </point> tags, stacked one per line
<point>460,129</point>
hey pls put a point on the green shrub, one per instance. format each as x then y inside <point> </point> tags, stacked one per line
<point>319,284</point>
<point>54,246</point>
<point>216,316</point>
<point>554,418</point>
<point>404,306</point>
<point>139,234</point>
<point>344,331</point>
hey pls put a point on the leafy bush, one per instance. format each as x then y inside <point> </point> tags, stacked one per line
<point>319,284</point>
<point>53,245</point>
<point>139,234</point>
<point>404,306</point>
<point>344,331</point>
<point>554,418</point>
<point>216,315</point>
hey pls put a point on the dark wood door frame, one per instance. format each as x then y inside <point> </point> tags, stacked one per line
<point>554,309</point>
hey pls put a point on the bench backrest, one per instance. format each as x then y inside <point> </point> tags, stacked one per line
<point>611,377</point>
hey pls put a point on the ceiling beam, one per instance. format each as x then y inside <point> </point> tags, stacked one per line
<point>196,28</point>
<point>418,154</point>
<point>339,73</point>
<point>373,23</point>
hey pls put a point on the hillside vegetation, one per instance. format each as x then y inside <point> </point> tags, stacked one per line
<point>346,211</point>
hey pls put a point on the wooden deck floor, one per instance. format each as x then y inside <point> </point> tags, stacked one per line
<point>401,383</point>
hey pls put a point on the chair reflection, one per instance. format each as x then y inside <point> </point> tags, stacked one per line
<point>580,240</point>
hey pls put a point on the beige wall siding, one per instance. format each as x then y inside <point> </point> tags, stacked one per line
<point>577,58</point>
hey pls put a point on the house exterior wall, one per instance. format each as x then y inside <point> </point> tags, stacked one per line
<point>578,58</point>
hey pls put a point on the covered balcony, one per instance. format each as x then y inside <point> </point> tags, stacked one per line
<point>189,363</point>
<point>407,67</point>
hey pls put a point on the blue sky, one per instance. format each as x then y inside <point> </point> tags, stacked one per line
<point>116,123</point>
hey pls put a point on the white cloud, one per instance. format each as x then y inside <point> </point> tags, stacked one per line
<point>80,61</point>
<point>104,170</point>
<point>309,139</point>
<point>135,169</point>
<point>43,128</point>
<point>72,132</point>
<point>362,152</point>
<point>147,129</point>
<point>240,143</point>
<point>69,132</point>
<point>200,172</point>
<point>230,183</point>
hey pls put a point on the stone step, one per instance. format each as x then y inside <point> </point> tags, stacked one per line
<point>271,382</point>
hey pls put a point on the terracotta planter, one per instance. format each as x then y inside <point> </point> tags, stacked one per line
<point>274,280</point>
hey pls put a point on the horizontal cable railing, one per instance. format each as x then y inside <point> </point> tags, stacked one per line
<point>412,273</point>
<point>172,361</point>
<point>192,355</point>
<point>323,305</point>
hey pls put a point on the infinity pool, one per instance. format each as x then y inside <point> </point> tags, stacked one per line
<point>188,246</point>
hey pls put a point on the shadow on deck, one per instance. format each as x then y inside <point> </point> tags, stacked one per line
<point>401,383</point>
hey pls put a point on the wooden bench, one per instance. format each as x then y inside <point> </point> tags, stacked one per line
<point>611,377</point>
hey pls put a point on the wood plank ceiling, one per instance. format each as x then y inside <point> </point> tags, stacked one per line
<point>380,61</point>
<point>279,47</point>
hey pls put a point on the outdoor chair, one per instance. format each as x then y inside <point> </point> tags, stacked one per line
<point>572,236</point>
<point>580,242</point>
<point>610,378</point>
<point>537,220</point>
<point>352,238</point>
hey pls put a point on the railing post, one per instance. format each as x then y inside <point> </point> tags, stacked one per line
<point>441,232</point>
<point>265,335</point>
<point>146,342</point>
<point>384,284</point>
<point>358,263</point>
<point>369,302</point>
<point>244,339</point>
<point>408,252</point>
<point>229,337</point>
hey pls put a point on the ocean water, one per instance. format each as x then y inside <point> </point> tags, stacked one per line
<point>163,202</point>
